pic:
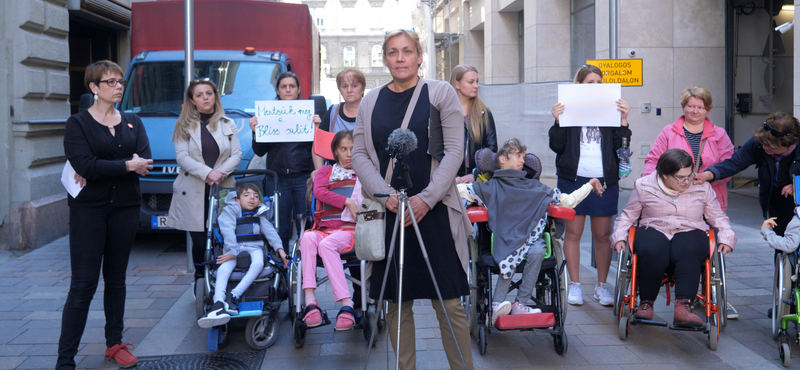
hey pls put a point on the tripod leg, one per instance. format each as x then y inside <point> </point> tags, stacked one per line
<point>433,278</point>
<point>389,258</point>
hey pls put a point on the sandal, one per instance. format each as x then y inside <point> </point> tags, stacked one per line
<point>346,318</point>
<point>312,316</point>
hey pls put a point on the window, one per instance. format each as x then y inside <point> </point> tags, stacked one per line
<point>349,58</point>
<point>319,16</point>
<point>583,32</point>
<point>377,56</point>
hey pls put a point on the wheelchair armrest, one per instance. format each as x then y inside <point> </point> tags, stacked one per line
<point>478,214</point>
<point>561,212</point>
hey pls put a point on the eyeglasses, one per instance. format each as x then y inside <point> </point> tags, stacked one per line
<point>684,179</point>
<point>113,82</point>
<point>773,131</point>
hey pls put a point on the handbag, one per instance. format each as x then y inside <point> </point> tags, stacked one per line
<point>370,234</point>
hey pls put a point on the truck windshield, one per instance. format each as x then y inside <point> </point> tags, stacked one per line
<point>157,88</point>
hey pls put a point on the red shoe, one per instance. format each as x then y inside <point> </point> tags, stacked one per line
<point>120,354</point>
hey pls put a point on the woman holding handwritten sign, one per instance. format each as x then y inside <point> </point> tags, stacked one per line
<point>290,160</point>
<point>583,153</point>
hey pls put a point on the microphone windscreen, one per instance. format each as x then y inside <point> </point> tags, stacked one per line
<point>402,141</point>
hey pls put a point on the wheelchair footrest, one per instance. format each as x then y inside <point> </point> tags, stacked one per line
<point>528,321</point>
<point>703,328</point>
<point>636,321</point>
<point>249,309</point>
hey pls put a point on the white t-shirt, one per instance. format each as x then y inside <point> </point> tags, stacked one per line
<point>590,163</point>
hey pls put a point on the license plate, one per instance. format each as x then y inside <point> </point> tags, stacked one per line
<point>159,222</point>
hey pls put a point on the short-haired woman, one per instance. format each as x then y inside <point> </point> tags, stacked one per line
<point>109,150</point>
<point>207,150</point>
<point>672,213</point>
<point>773,149</point>
<point>479,130</point>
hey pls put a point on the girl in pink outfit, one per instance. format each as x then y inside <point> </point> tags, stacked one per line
<point>332,234</point>
<point>694,132</point>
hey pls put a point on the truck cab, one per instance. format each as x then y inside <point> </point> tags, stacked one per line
<point>155,92</point>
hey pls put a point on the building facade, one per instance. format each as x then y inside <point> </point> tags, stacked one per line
<point>45,47</point>
<point>729,47</point>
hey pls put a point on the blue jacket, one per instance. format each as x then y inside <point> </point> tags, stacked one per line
<point>753,153</point>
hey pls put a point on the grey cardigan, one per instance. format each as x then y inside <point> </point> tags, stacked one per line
<point>442,186</point>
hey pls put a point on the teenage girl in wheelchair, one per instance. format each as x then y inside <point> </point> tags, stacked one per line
<point>672,237</point>
<point>521,211</point>
<point>336,192</point>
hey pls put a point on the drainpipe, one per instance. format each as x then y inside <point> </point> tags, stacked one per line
<point>612,29</point>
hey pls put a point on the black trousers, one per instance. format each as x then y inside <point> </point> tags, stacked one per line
<point>683,256</point>
<point>100,239</point>
<point>199,239</point>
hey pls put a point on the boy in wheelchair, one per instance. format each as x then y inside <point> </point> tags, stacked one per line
<point>517,208</point>
<point>790,240</point>
<point>242,224</point>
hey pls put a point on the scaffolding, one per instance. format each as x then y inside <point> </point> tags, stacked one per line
<point>444,38</point>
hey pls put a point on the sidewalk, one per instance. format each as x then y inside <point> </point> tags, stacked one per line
<point>159,318</point>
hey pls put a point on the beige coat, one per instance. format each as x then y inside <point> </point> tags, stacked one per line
<point>442,186</point>
<point>188,190</point>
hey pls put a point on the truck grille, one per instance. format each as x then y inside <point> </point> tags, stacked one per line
<point>157,202</point>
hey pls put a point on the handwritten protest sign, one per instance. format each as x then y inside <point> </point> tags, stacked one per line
<point>589,105</point>
<point>284,121</point>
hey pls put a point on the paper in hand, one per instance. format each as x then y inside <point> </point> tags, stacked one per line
<point>68,180</point>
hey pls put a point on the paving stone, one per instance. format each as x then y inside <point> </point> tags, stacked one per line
<point>608,355</point>
<point>11,362</point>
<point>38,362</point>
<point>13,350</point>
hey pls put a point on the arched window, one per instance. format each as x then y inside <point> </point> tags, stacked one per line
<point>349,58</point>
<point>377,56</point>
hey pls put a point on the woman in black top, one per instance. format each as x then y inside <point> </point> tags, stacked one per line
<point>479,131</point>
<point>291,161</point>
<point>109,151</point>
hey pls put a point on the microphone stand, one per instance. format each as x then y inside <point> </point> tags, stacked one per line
<point>404,203</point>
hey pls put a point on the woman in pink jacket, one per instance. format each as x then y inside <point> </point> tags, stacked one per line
<point>672,214</point>
<point>694,133</point>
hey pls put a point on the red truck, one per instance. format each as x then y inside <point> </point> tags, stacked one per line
<point>241,45</point>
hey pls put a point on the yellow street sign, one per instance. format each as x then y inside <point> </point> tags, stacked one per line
<point>627,72</point>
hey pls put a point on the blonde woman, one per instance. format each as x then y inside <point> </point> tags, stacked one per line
<point>433,197</point>
<point>479,131</point>
<point>207,150</point>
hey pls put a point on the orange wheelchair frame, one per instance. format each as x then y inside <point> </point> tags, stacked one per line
<point>713,294</point>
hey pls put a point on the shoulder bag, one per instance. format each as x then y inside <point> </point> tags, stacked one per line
<point>370,233</point>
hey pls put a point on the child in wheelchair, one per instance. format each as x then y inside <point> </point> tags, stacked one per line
<point>242,223</point>
<point>790,240</point>
<point>517,209</point>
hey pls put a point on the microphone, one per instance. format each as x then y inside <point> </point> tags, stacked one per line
<point>401,142</point>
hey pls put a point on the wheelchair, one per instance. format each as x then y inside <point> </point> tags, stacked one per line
<point>785,298</point>
<point>713,295</point>
<point>549,294</point>
<point>260,302</point>
<point>367,321</point>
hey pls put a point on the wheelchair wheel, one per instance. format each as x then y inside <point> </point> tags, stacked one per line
<point>718,296</point>
<point>482,339</point>
<point>560,342</point>
<point>558,249</point>
<point>623,284</point>
<point>786,354</point>
<point>199,294</point>
<point>624,327</point>
<point>713,333</point>
<point>295,286</point>
<point>472,276</point>
<point>781,290</point>
<point>224,334</point>
<point>261,332</point>
<point>369,326</point>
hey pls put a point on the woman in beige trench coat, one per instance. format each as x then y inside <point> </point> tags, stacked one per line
<point>207,150</point>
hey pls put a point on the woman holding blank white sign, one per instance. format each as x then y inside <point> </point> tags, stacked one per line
<point>290,160</point>
<point>583,153</point>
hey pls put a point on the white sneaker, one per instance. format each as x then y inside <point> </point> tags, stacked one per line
<point>500,309</point>
<point>602,294</point>
<point>575,294</point>
<point>731,312</point>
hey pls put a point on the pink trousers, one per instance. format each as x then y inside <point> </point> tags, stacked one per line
<point>328,245</point>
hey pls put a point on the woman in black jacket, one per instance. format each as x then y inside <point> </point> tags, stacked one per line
<point>479,131</point>
<point>291,161</point>
<point>108,150</point>
<point>581,154</point>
